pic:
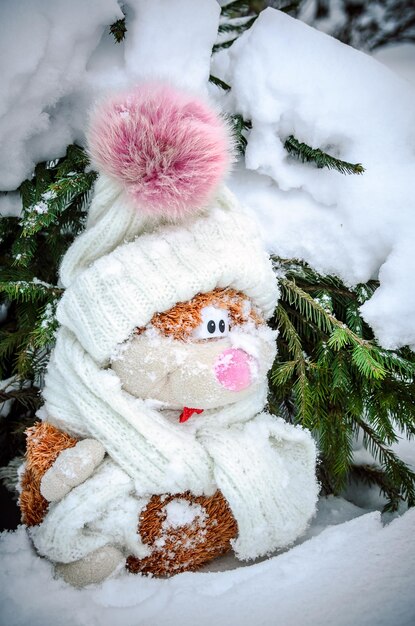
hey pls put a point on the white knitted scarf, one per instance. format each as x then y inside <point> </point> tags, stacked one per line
<point>264,467</point>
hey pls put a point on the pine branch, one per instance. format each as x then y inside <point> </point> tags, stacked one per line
<point>400,475</point>
<point>219,83</point>
<point>236,26</point>
<point>54,208</point>
<point>306,154</point>
<point>29,291</point>
<point>118,30</point>
<point>332,377</point>
<point>239,127</point>
<point>54,201</point>
<point>238,8</point>
<point>28,397</point>
<point>236,18</point>
<point>59,188</point>
<point>373,475</point>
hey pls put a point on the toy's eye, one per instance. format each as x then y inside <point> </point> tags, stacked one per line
<point>215,323</point>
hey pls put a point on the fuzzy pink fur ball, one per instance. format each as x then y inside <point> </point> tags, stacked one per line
<point>167,148</point>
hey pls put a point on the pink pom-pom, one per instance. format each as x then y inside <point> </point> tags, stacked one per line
<point>168,149</point>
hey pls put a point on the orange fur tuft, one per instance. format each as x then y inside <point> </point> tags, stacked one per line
<point>185,548</point>
<point>180,321</point>
<point>44,443</point>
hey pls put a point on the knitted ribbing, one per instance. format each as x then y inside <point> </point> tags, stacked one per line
<point>86,519</point>
<point>265,469</point>
<point>85,400</point>
<point>111,221</point>
<point>263,466</point>
<point>123,289</point>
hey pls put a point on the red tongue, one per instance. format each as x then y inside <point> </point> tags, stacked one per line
<point>187,413</point>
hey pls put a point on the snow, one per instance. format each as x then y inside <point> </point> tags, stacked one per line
<point>352,572</point>
<point>179,53</point>
<point>180,512</point>
<point>54,64</point>
<point>341,100</point>
<point>43,59</point>
<point>400,58</point>
<point>10,204</point>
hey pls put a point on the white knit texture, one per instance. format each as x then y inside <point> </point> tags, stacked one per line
<point>265,468</point>
<point>111,221</point>
<point>88,401</point>
<point>103,510</point>
<point>123,289</point>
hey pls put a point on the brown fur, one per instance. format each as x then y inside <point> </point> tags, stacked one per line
<point>180,321</point>
<point>185,548</point>
<point>44,443</point>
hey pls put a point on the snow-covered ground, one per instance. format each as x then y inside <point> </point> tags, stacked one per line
<point>287,78</point>
<point>355,572</point>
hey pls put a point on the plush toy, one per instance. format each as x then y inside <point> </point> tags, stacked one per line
<point>154,450</point>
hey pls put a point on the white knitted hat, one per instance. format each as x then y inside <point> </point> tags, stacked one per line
<point>112,286</point>
<point>122,290</point>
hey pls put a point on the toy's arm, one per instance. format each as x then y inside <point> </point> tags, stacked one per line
<point>41,482</point>
<point>71,468</point>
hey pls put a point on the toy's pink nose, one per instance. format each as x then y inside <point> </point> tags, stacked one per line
<point>232,369</point>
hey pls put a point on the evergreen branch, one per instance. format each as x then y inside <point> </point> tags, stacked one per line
<point>393,361</point>
<point>118,30</point>
<point>219,83</point>
<point>290,7</point>
<point>366,363</point>
<point>23,251</point>
<point>75,159</point>
<point>29,291</point>
<point>373,475</point>
<point>330,375</point>
<point>307,306</point>
<point>288,331</point>
<point>306,154</point>
<point>54,201</point>
<point>282,374</point>
<point>237,8</point>
<point>237,26</point>
<point>27,396</point>
<point>239,126</point>
<point>338,447</point>
<point>10,343</point>
<point>313,310</point>
<point>304,400</point>
<point>44,332</point>
<point>395,469</point>
<point>223,45</point>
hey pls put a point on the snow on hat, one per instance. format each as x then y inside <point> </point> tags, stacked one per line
<point>161,227</point>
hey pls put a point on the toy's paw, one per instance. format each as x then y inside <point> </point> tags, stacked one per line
<point>93,568</point>
<point>72,467</point>
<point>183,532</point>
